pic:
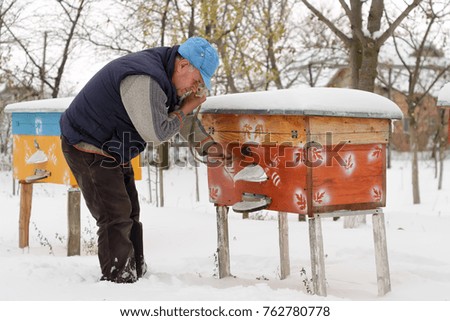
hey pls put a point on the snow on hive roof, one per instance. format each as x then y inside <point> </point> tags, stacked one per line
<point>306,101</point>
<point>41,105</point>
<point>444,96</point>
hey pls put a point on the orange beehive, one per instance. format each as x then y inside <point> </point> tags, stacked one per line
<point>317,152</point>
<point>314,150</point>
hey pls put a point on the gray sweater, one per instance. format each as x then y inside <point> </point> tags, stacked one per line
<point>145,103</point>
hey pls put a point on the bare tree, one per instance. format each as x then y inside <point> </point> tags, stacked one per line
<point>268,21</point>
<point>9,14</point>
<point>222,22</point>
<point>10,88</point>
<point>423,60</point>
<point>6,18</point>
<point>46,65</point>
<point>258,44</point>
<point>363,44</point>
<point>317,52</point>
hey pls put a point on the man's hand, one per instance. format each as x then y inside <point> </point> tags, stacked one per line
<point>191,102</point>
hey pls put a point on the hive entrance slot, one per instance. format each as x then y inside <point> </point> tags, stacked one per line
<point>251,203</point>
<point>38,175</point>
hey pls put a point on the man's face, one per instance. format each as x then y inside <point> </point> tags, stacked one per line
<point>186,78</point>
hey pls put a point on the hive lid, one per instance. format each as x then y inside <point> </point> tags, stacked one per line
<point>41,105</point>
<point>444,96</point>
<point>305,101</point>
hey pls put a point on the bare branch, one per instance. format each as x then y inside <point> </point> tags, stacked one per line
<point>68,42</point>
<point>331,25</point>
<point>397,22</point>
<point>347,10</point>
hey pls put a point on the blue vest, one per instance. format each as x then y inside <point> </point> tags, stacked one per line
<point>97,115</point>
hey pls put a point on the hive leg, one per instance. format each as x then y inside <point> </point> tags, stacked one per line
<point>381,256</point>
<point>26,195</point>
<point>317,255</point>
<point>283,234</point>
<point>223,248</point>
<point>73,218</point>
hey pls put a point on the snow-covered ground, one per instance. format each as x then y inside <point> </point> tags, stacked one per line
<point>180,245</point>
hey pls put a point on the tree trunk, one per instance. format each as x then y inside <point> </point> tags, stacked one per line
<point>368,71</point>
<point>226,66</point>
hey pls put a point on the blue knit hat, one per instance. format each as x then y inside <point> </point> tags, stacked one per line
<point>202,56</point>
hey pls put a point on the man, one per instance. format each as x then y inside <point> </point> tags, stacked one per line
<point>142,97</point>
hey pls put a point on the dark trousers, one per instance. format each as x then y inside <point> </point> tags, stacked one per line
<point>111,196</point>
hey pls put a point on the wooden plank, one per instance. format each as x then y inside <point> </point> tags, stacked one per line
<point>283,239</point>
<point>265,139</point>
<point>317,255</point>
<point>242,128</point>
<point>264,129</point>
<point>73,218</point>
<point>381,256</point>
<point>26,196</point>
<point>347,158</point>
<point>358,168</point>
<point>346,207</point>
<point>223,248</point>
<point>351,191</point>
<point>349,130</point>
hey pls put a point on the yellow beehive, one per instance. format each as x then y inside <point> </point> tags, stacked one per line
<point>38,158</point>
<point>37,154</point>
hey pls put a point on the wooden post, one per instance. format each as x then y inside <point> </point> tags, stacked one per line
<point>283,236</point>
<point>317,255</point>
<point>197,183</point>
<point>381,256</point>
<point>149,175</point>
<point>223,248</point>
<point>73,218</point>
<point>157,186</point>
<point>163,163</point>
<point>26,196</point>
<point>161,187</point>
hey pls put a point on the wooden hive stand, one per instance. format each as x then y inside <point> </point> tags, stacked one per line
<point>314,152</point>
